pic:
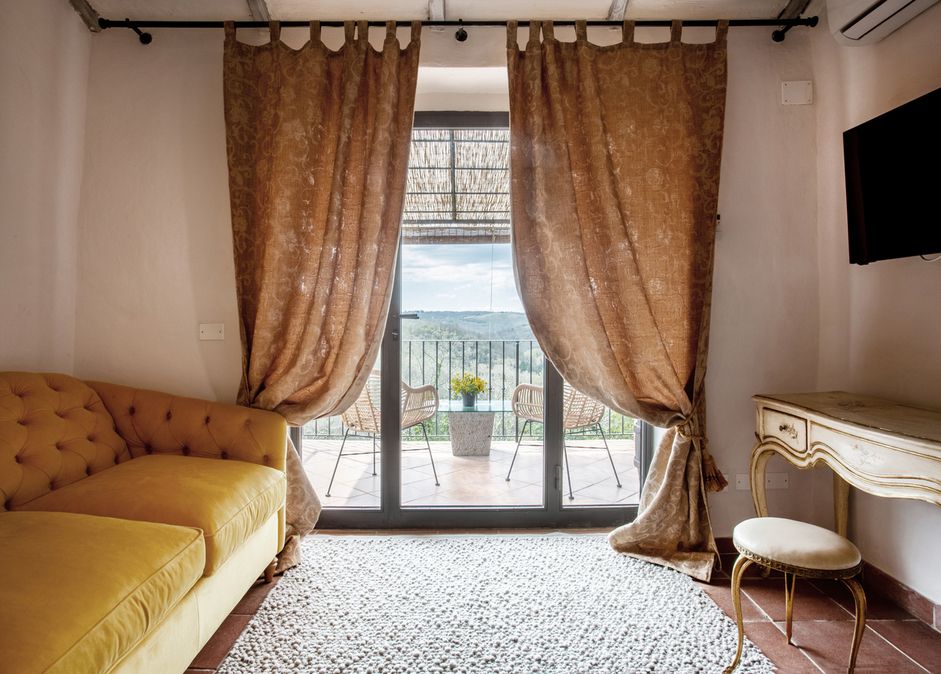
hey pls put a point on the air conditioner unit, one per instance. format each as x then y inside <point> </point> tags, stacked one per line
<point>855,22</point>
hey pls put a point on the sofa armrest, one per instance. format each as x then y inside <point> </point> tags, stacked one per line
<point>159,423</point>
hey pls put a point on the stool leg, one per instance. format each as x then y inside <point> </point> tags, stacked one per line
<point>859,596</point>
<point>789,582</point>
<point>741,564</point>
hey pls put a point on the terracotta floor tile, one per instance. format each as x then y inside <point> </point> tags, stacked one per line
<point>254,597</point>
<point>809,602</point>
<point>720,592</point>
<point>878,607</point>
<point>828,643</point>
<point>770,639</point>
<point>221,642</point>
<point>918,641</point>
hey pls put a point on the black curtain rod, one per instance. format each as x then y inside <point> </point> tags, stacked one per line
<point>110,23</point>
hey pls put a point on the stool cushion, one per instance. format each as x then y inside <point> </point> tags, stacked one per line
<point>795,544</point>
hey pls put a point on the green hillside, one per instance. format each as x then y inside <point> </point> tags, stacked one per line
<point>501,325</point>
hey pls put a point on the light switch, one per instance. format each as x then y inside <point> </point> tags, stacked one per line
<point>211,331</point>
<point>797,92</point>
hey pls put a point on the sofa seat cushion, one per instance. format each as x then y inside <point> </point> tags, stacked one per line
<point>228,500</point>
<point>80,592</point>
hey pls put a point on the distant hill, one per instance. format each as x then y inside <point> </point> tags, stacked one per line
<point>509,325</point>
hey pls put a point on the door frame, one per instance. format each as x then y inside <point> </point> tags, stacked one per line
<point>552,513</point>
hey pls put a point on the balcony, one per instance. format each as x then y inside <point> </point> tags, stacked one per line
<point>474,480</point>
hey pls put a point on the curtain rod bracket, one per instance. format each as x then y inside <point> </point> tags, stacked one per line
<point>460,35</point>
<point>779,34</point>
<point>145,38</point>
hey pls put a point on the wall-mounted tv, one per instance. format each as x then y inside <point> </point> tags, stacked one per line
<point>893,182</point>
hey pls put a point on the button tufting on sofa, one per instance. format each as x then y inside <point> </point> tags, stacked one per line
<point>207,420</point>
<point>131,410</point>
<point>169,415</point>
<point>185,450</point>
<point>224,455</point>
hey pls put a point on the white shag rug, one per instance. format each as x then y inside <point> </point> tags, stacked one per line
<point>484,604</point>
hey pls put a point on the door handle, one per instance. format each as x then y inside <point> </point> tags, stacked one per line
<point>412,316</point>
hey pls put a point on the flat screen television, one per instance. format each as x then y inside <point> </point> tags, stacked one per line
<point>893,182</point>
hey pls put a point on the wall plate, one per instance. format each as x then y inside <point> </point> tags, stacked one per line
<point>797,92</point>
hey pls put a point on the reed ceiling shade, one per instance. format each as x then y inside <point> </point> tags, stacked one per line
<point>458,188</point>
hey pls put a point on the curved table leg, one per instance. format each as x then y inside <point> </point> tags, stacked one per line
<point>841,504</point>
<point>759,459</point>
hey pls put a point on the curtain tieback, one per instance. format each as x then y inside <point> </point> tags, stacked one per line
<point>713,479</point>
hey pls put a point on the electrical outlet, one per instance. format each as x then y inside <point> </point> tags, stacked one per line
<point>211,331</point>
<point>777,480</point>
<point>741,482</point>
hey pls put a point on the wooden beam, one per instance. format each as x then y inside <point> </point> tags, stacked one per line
<point>87,12</point>
<point>259,10</point>
<point>618,10</point>
<point>436,10</point>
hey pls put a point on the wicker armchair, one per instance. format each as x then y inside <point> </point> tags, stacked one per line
<point>363,416</point>
<point>579,412</point>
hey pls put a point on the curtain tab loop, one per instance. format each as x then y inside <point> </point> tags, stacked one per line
<point>315,31</point>
<point>581,31</point>
<point>274,30</point>
<point>627,32</point>
<point>362,31</point>
<point>548,30</point>
<point>416,31</point>
<point>348,31</point>
<point>390,31</point>
<point>676,31</point>
<point>511,28</point>
<point>534,28</point>
<point>722,30</point>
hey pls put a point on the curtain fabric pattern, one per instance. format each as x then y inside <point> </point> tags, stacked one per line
<point>318,144</point>
<point>614,180</point>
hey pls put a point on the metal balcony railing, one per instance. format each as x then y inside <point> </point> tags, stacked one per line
<point>503,363</point>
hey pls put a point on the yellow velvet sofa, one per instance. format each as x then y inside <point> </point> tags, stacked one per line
<point>131,522</point>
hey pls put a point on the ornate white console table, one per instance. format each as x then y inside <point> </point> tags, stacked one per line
<point>878,446</point>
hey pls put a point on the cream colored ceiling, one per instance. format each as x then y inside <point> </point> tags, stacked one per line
<point>418,9</point>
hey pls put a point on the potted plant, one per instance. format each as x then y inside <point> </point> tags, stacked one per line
<point>468,386</point>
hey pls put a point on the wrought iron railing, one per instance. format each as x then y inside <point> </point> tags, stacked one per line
<point>503,363</point>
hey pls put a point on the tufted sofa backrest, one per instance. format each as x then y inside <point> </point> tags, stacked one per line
<point>54,430</point>
<point>160,423</point>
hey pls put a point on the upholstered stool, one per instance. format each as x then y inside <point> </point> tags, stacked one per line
<point>796,549</point>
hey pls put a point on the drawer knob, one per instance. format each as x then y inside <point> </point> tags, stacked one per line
<point>789,429</point>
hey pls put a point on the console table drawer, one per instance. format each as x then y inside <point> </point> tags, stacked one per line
<point>788,429</point>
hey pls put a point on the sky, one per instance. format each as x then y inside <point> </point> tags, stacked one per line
<point>459,277</point>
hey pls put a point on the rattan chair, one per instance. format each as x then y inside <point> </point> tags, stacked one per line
<point>579,413</point>
<point>363,416</point>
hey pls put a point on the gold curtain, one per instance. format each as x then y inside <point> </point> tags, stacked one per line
<point>318,144</point>
<point>614,179</point>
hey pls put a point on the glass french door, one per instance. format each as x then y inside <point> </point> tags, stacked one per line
<point>528,450</point>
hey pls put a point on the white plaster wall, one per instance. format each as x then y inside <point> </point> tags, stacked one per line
<point>156,249</point>
<point>880,325</point>
<point>44,49</point>
<point>764,313</point>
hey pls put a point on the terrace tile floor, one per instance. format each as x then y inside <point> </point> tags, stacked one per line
<point>470,480</point>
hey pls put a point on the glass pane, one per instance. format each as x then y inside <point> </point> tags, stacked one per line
<point>471,323</point>
<point>599,457</point>
<point>350,479</point>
